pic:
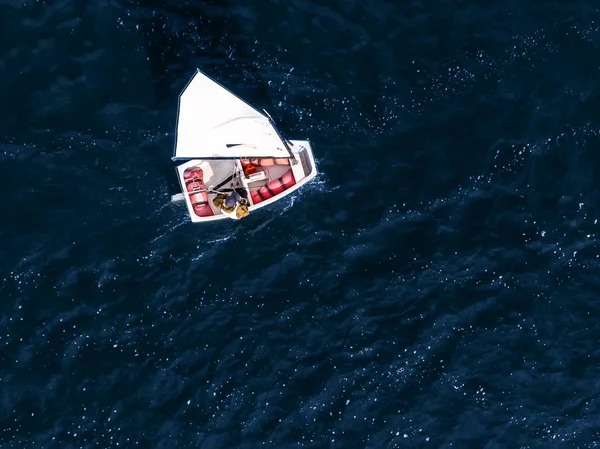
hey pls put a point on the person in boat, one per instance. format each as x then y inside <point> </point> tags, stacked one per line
<point>232,204</point>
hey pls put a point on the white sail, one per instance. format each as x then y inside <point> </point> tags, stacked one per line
<point>212,122</point>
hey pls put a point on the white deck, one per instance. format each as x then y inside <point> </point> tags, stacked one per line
<point>218,171</point>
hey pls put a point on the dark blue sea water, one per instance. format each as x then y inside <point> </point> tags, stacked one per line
<point>436,286</point>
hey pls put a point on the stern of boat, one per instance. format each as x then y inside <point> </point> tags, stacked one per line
<point>199,181</point>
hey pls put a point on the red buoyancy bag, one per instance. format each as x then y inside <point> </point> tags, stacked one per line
<point>198,196</point>
<point>274,187</point>
<point>200,204</point>
<point>193,178</point>
<point>265,162</point>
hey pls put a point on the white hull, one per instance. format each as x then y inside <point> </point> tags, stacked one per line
<point>223,175</point>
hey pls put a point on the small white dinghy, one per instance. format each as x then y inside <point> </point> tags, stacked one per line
<point>236,160</point>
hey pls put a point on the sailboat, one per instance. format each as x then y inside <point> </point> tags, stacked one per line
<point>235,157</point>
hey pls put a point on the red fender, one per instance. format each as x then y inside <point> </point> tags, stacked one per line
<point>200,204</point>
<point>195,185</point>
<point>193,173</point>
<point>265,162</point>
<point>274,187</point>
